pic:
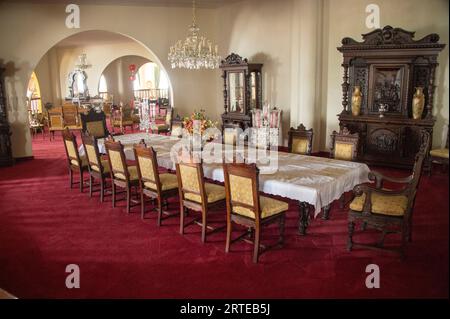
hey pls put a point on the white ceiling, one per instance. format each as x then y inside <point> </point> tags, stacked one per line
<point>164,3</point>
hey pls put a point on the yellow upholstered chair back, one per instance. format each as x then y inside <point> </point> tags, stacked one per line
<point>344,145</point>
<point>190,176</point>
<point>147,164</point>
<point>92,153</point>
<point>300,140</point>
<point>299,145</point>
<point>343,151</point>
<point>70,144</point>
<point>241,186</point>
<point>117,161</point>
<point>55,118</point>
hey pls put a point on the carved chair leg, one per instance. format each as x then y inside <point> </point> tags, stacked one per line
<point>351,229</point>
<point>381,241</point>
<point>326,212</point>
<point>159,211</point>
<point>81,180</point>
<point>204,221</point>
<point>363,226</point>
<point>102,189</point>
<point>90,185</point>
<point>182,211</point>
<point>142,205</point>
<point>70,178</point>
<point>256,243</point>
<point>229,231</point>
<point>342,201</point>
<point>281,223</point>
<point>410,229</point>
<point>404,241</point>
<point>128,199</point>
<point>113,186</point>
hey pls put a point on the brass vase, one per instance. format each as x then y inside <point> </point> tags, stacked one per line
<point>418,103</point>
<point>356,101</point>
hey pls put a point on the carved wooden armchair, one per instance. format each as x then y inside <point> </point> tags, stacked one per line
<point>389,211</point>
<point>246,207</point>
<point>300,140</point>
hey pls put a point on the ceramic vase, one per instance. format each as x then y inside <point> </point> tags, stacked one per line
<point>356,101</point>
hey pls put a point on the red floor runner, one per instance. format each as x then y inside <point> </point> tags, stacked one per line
<point>45,226</point>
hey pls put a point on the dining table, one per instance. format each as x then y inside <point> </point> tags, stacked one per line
<point>313,182</point>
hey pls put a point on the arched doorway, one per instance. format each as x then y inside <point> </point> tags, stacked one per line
<point>99,49</point>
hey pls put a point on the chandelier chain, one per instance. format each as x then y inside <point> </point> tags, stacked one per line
<point>196,51</point>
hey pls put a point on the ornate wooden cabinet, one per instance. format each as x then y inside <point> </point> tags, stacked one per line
<point>388,66</point>
<point>242,90</point>
<point>6,158</point>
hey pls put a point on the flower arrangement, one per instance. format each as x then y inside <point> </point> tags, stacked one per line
<point>198,119</point>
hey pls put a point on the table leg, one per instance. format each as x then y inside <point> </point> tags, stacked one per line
<point>303,220</point>
<point>326,212</point>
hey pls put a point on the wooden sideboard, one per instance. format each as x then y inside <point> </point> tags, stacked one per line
<point>6,158</point>
<point>388,65</point>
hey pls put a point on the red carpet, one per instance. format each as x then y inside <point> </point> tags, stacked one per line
<point>45,226</point>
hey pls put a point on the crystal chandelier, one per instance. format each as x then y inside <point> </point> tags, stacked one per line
<point>196,52</point>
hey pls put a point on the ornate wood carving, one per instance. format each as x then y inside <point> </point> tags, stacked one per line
<point>235,65</point>
<point>389,36</point>
<point>234,59</point>
<point>6,158</point>
<point>388,64</point>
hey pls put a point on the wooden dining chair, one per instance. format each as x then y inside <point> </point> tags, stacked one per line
<point>344,146</point>
<point>157,186</point>
<point>197,195</point>
<point>246,207</point>
<point>94,123</point>
<point>75,162</point>
<point>55,121</point>
<point>389,211</point>
<point>122,175</point>
<point>166,126</point>
<point>122,117</point>
<point>98,168</point>
<point>300,140</point>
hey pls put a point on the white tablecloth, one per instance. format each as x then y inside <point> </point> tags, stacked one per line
<point>315,180</point>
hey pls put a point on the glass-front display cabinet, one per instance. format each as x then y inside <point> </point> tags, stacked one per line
<point>242,90</point>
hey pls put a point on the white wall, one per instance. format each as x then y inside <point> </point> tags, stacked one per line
<point>38,27</point>
<point>295,39</point>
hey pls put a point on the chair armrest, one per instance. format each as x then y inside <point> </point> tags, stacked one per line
<point>379,178</point>
<point>361,189</point>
